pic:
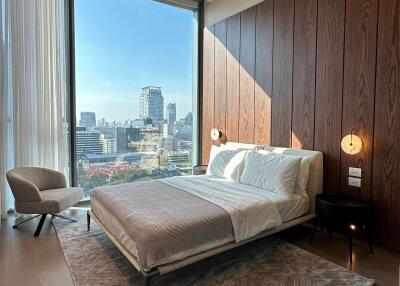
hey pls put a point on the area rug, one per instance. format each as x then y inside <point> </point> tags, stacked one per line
<point>94,260</point>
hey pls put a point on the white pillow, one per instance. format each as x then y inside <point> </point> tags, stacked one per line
<point>226,162</point>
<point>304,171</point>
<point>272,172</point>
<point>216,149</point>
<point>302,177</point>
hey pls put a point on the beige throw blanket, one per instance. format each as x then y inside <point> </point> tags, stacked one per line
<point>166,223</point>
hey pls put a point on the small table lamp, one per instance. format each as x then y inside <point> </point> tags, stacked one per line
<point>351,144</point>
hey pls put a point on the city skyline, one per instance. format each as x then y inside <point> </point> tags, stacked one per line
<point>180,113</point>
<point>100,121</point>
<point>135,45</point>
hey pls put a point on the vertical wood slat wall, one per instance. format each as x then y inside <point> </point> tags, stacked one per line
<point>303,73</point>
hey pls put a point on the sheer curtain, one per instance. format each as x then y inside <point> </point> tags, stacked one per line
<point>4,114</point>
<point>34,87</point>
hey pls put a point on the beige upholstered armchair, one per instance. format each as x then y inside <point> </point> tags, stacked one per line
<point>41,191</point>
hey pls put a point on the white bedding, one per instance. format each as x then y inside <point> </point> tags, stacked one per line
<point>289,209</point>
<point>251,209</point>
<point>292,208</point>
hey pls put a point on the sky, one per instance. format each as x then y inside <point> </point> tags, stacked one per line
<point>122,46</point>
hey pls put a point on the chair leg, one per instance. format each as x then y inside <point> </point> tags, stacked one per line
<point>88,220</point>
<point>40,225</point>
<point>64,217</point>
<point>16,225</point>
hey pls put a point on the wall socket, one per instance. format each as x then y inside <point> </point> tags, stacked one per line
<point>355,172</point>
<point>355,182</point>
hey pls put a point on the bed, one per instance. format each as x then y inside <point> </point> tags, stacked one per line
<point>166,224</point>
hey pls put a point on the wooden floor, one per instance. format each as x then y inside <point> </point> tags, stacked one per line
<point>383,265</point>
<point>25,260</point>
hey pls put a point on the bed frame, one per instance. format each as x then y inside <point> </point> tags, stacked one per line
<point>314,186</point>
<point>166,268</point>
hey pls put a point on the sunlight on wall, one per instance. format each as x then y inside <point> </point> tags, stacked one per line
<point>296,143</point>
<point>262,109</point>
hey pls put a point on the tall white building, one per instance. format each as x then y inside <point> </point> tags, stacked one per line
<point>152,104</point>
<point>109,145</point>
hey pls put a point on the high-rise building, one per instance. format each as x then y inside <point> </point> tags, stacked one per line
<point>185,132</point>
<point>122,142</point>
<point>88,119</point>
<point>107,132</point>
<point>168,130</point>
<point>188,118</point>
<point>171,113</point>
<point>109,145</point>
<point>169,143</point>
<point>133,136</point>
<point>87,142</point>
<point>143,139</point>
<point>152,104</point>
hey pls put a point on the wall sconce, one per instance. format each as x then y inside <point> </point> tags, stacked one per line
<point>215,134</point>
<point>217,137</point>
<point>351,144</point>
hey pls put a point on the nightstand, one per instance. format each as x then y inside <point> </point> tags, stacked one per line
<point>342,211</point>
<point>199,170</point>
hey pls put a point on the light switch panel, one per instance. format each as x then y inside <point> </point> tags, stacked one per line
<point>355,182</point>
<point>355,172</point>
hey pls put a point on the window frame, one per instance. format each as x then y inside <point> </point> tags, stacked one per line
<point>71,84</point>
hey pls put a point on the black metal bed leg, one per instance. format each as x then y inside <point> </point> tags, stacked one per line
<point>148,275</point>
<point>146,281</point>
<point>88,220</point>
<point>314,229</point>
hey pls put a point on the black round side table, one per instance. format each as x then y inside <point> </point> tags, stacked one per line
<point>342,211</point>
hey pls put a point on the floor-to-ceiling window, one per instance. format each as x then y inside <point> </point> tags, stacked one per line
<point>135,64</point>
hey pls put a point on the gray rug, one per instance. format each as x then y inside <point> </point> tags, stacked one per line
<point>94,260</point>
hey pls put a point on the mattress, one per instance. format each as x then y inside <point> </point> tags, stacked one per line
<point>203,227</point>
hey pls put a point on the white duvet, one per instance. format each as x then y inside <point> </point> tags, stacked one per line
<point>251,210</point>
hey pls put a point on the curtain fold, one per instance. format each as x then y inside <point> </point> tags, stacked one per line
<point>3,106</point>
<point>36,94</point>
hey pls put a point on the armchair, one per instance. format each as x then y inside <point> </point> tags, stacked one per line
<point>41,191</point>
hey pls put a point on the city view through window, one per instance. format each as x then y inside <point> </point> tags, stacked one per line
<point>134,90</point>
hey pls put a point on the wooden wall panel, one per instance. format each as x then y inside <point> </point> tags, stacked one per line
<point>359,89</point>
<point>328,105</point>
<point>386,169</point>
<point>263,73</point>
<point>232,75</point>
<point>208,92</point>
<point>304,73</point>
<point>282,73</point>
<point>220,80</point>
<point>304,60</point>
<point>247,70</point>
